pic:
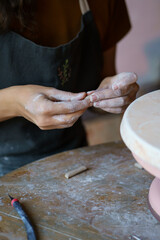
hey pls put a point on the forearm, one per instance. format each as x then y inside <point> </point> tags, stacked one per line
<point>8,103</point>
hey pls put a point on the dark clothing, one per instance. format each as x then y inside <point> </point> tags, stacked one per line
<point>50,58</point>
<point>75,67</point>
<point>58,21</point>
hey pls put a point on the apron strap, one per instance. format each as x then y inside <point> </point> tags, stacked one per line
<point>84,6</point>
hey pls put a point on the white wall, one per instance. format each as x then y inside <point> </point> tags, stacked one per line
<point>139,51</point>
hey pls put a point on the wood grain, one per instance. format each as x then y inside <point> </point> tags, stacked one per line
<point>108,201</point>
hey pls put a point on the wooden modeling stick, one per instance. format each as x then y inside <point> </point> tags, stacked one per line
<point>75,171</point>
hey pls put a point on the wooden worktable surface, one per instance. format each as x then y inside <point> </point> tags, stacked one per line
<point>109,201</point>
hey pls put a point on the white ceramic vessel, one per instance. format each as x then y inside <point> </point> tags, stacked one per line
<point>140,131</point>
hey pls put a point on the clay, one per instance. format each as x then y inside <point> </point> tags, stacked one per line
<point>75,171</point>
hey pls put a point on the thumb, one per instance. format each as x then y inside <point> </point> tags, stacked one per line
<point>59,95</point>
<point>123,79</point>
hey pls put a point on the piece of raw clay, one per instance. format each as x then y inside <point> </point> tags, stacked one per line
<point>75,171</point>
<point>138,165</point>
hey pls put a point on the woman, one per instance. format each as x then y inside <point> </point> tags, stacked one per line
<point>51,56</point>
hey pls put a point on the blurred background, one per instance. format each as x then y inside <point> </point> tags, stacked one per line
<point>138,51</point>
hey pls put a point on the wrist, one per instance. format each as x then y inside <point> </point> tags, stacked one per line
<point>9,103</point>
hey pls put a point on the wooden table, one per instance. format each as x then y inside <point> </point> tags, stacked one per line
<point>109,201</point>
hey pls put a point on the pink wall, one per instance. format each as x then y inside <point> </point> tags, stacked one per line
<point>139,51</point>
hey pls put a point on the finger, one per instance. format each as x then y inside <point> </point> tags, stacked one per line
<point>119,101</point>
<point>121,80</point>
<point>56,108</point>
<point>56,127</point>
<point>65,119</point>
<point>134,91</point>
<point>113,103</point>
<point>59,121</point>
<point>132,96</point>
<point>102,94</point>
<point>133,88</point>
<point>90,92</point>
<point>60,95</point>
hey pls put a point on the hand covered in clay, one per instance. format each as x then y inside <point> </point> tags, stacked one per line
<point>115,93</point>
<point>50,108</point>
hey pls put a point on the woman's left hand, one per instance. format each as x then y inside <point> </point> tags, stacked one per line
<point>115,93</point>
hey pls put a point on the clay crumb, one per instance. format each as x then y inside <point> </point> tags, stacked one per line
<point>75,171</point>
<point>138,165</point>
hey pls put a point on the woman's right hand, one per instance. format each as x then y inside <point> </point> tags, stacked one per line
<point>48,107</point>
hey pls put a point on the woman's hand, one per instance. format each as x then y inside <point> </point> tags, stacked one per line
<point>115,93</point>
<point>48,108</point>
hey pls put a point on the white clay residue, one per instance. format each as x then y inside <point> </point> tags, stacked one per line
<point>37,97</point>
<point>30,105</point>
<point>104,197</point>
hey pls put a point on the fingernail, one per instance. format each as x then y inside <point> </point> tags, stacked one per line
<point>93,98</point>
<point>114,87</point>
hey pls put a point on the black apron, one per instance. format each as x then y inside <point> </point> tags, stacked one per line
<point>74,66</point>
